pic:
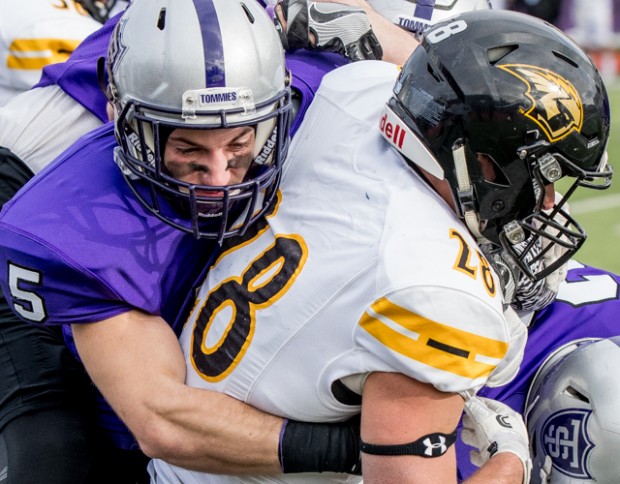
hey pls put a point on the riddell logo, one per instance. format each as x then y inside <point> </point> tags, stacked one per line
<point>392,131</point>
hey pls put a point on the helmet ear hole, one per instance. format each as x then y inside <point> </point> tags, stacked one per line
<point>492,171</point>
<point>248,13</point>
<point>566,59</point>
<point>573,392</point>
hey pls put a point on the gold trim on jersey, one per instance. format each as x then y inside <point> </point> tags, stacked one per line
<point>267,278</point>
<point>253,233</point>
<point>434,344</point>
<point>35,54</point>
<point>463,263</point>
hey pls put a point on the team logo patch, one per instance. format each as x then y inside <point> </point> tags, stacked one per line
<point>565,439</point>
<point>556,105</point>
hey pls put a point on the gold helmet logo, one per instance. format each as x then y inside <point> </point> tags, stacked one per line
<point>556,105</point>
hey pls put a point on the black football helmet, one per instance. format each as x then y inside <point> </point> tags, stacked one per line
<point>516,92</point>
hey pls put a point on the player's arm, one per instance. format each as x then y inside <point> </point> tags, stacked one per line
<point>298,27</point>
<point>397,43</point>
<point>136,361</point>
<point>504,468</point>
<point>399,410</point>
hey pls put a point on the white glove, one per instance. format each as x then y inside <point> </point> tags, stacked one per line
<point>493,427</point>
<point>509,366</point>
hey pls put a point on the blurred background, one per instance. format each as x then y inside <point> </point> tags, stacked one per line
<point>595,25</point>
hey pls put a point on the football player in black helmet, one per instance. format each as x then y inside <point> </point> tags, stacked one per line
<point>501,118</point>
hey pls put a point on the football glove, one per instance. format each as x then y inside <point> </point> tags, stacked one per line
<point>336,28</point>
<point>492,427</point>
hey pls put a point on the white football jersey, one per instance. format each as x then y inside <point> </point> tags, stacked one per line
<point>35,33</point>
<point>361,267</point>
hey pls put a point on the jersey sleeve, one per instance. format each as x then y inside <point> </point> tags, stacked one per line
<point>35,36</point>
<point>438,315</point>
<point>43,287</point>
<point>435,335</point>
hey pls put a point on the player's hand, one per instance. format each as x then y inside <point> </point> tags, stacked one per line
<point>326,26</point>
<point>492,428</point>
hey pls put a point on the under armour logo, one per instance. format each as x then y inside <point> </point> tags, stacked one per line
<point>435,449</point>
<point>504,421</point>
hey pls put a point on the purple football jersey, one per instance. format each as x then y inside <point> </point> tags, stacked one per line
<point>587,306</point>
<point>77,247</point>
<point>90,250</point>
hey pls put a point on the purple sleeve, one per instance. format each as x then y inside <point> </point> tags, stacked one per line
<point>43,288</point>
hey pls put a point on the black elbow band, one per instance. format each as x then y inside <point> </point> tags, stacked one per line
<point>431,445</point>
<point>320,447</point>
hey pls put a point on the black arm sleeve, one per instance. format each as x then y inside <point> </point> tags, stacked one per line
<point>13,174</point>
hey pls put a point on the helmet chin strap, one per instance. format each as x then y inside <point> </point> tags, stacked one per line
<point>466,192</point>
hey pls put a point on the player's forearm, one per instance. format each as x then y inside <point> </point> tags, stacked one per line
<point>211,432</point>
<point>136,362</point>
<point>504,468</point>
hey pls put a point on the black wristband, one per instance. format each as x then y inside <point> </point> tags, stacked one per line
<point>320,447</point>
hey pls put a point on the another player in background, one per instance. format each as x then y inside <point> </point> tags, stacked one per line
<point>567,387</point>
<point>36,33</point>
<point>46,406</point>
<point>348,291</point>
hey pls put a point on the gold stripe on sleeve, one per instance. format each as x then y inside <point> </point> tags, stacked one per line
<point>431,343</point>
<point>33,54</point>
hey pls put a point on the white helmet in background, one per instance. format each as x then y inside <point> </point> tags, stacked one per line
<point>572,414</point>
<point>418,15</point>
